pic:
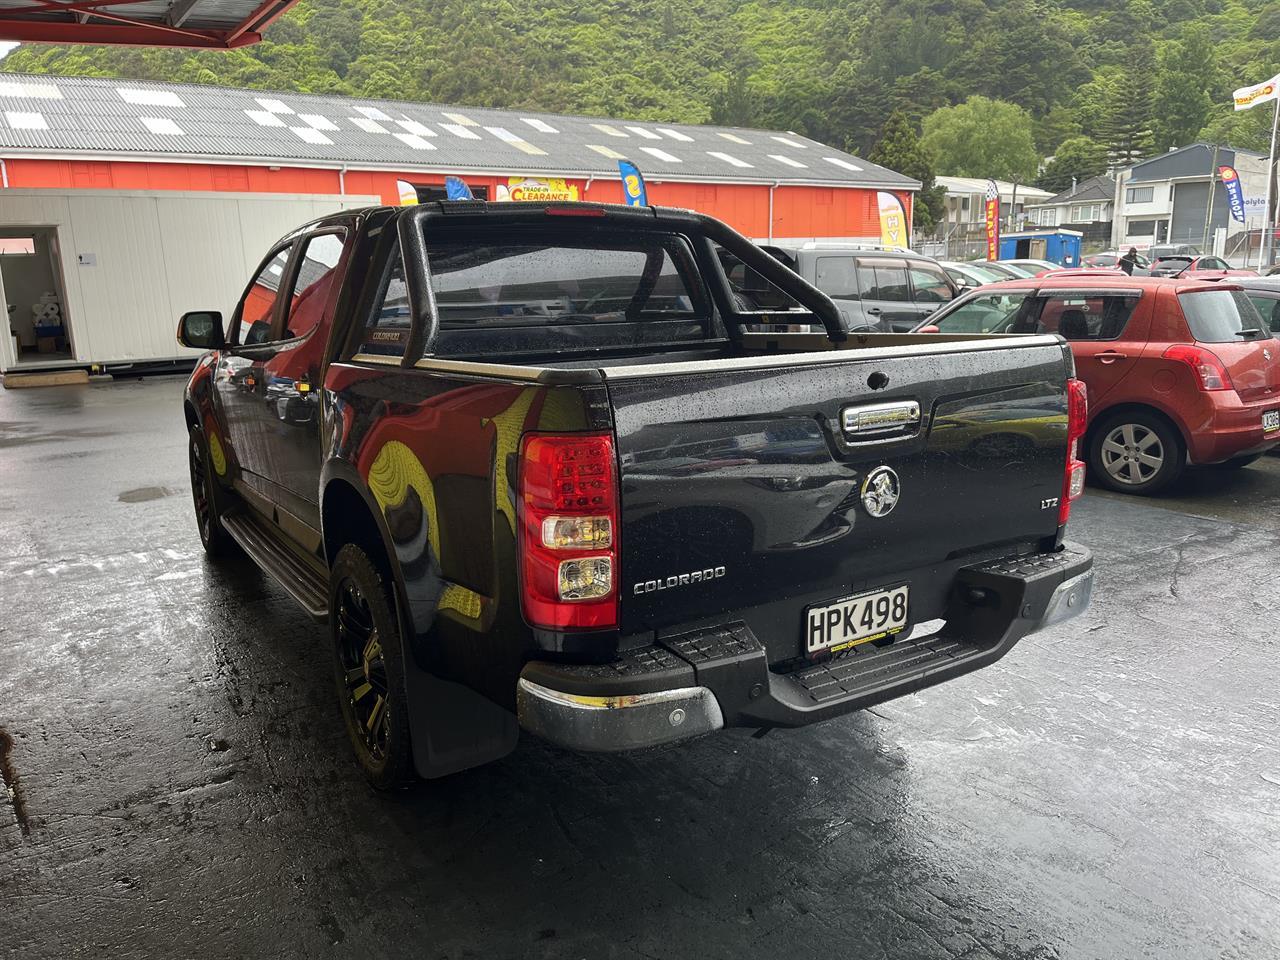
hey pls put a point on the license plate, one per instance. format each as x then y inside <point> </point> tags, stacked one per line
<point>846,623</point>
<point>1270,421</point>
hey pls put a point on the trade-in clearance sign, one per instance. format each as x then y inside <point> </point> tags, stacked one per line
<point>993,221</point>
<point>1235,196</point>
<point>1264,92</point>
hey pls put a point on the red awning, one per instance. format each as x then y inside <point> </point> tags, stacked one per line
<point>140,23</point>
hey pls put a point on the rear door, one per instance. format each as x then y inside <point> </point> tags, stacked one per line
<point>744,490</point>
<point>886,293</point>
<point>1107,330</point>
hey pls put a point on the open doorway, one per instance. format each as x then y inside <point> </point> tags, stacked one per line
<point>33,295</point>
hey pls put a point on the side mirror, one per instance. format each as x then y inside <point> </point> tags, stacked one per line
<point>201,330</point>
<point>929,328</point>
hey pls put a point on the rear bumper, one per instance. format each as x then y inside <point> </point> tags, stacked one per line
<point>1232,428</point>
<point>698,682</point>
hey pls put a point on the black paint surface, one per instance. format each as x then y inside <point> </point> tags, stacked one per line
<point>1110,789</point>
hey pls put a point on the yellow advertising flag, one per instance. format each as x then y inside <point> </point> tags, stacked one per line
<point>894,233</point>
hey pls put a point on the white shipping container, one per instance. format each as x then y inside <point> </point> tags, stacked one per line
<point>125,265</point>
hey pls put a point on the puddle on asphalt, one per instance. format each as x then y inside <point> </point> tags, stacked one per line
<point>12,789</point>
<point>143,494</point>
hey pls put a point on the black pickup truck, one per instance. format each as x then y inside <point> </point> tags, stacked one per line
<point>540,466</point>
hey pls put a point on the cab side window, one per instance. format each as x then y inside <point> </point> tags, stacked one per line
<point>314,285</point>
<point>257,306</point>
<point>386,333</point>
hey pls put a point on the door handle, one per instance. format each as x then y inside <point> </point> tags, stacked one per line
<point>873,311</point>
<point>1110,356</point>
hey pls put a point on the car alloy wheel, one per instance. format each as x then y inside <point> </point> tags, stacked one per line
<point>1132,454</point>
<point>200,489</point>
<point>364,668</point>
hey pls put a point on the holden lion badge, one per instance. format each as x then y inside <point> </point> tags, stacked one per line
<point>880,491</point>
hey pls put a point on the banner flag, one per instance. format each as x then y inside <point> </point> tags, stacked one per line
<point>633,184</point>
<point>1235,195</point>
<point>894,231</point>
<point>455,188</point>
<point>993,220</point>
<point>408,193</point>
<point>1264,92</point>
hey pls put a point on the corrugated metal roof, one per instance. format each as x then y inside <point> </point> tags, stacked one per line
<point>82,116</point>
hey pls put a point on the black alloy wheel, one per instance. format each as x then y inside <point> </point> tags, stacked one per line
<point>205,498</point>
<point>369,668</point>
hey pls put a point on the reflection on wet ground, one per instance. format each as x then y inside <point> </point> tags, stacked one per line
<point>1108,790</point>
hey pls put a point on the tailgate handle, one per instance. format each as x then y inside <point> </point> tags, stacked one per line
<point>874,421</point>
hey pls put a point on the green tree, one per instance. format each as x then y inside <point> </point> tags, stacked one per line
<point>1128,111</point>
<point>1077,159</point>
<point>899,149</point>
<point>1187,72</point>
<point>1055,127</point>
<point>982,138</point>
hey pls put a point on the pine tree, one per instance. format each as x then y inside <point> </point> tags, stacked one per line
<point>1127,120</point>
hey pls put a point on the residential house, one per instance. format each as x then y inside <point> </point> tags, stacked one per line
<point>1086,207</point>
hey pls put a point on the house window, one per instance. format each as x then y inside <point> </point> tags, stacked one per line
<point>1139,194</point>
<point>1142,228</point>
<point>1086,213</point>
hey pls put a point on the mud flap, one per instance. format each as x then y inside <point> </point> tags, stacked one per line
<point>452,727</point>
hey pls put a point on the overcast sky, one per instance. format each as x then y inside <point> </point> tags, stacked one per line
<point>5,47</point>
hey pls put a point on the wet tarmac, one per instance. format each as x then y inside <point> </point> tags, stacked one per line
<point>177,782</point>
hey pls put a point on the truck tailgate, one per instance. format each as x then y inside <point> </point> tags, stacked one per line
<point>742,486</point>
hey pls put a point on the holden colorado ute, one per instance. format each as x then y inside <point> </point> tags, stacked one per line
<point>539,466</point>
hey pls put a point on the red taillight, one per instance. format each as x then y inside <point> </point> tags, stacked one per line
<point>1073,479</point>
<point>1211,373</point>
<point>569,531</point>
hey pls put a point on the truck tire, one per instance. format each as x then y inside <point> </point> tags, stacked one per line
<point>369,668</point>
<point>207,498</point>
<point>1136,451</point>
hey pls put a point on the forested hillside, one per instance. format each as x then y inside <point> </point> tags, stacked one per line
<point>1104,78</point>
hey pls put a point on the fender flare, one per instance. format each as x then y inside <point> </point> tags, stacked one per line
<point>452,728</point>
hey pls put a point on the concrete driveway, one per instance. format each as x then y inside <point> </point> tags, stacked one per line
<point>179,783</point>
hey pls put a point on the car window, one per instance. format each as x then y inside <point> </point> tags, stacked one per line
<point>883,280</point>
<point>257,306</point>
<point>984,313</point>
<point>1085,317</point>
<point>386,332</point>
<point>314,284</point>
<point>929,284</point>
<point>837,277</point>
<point>1213,263</point>
<point>1220,316</point>
<point>1268,308</point>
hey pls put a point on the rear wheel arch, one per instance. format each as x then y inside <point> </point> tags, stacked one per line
<point>348,516</point>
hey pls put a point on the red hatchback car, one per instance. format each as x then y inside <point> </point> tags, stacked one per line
<point>1177,370</point>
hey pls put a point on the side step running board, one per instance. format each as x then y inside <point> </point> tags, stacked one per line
<point>304,581</point>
